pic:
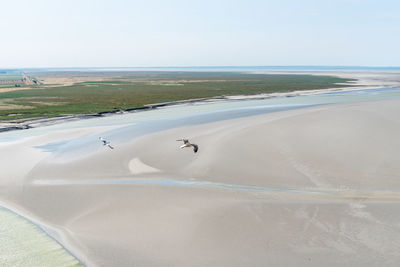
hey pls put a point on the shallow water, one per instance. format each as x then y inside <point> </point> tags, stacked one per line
<point>139,123</point>
<point>180,183</point>
<point>132,125</point>
<point>280,192</point>
<point>24,244</point>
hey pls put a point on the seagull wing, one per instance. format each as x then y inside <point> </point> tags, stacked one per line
<point>195,148</point>
<point>110,146</point>
<point>103,141</point>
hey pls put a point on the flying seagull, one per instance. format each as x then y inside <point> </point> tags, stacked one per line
<point>105,142</point>
<point>186,143</point>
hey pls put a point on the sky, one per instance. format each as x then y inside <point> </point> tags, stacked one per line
<point>130,33</point>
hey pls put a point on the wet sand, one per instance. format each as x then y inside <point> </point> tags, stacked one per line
<point>306,187</point>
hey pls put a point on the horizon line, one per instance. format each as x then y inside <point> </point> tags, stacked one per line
<point>202,67</point>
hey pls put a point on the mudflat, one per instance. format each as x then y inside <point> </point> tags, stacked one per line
<point>307,187</point>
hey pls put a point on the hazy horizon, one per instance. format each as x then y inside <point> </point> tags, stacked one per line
<point>216,67</point>
<point>90,34</point>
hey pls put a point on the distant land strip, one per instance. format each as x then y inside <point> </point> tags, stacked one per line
<point>85,94</point>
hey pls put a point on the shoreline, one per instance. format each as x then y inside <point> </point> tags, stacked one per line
<point>24,124</point>
<point>44,228</point>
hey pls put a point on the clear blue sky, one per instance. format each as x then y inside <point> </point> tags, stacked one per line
<point>95,33</point>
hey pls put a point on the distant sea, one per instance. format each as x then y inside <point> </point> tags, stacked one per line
<point>218,68</point>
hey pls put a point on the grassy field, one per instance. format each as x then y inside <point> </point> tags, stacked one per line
<point>126,90</point>
<point>10,79</point>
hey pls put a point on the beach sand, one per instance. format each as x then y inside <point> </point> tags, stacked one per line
<point>325,191</point>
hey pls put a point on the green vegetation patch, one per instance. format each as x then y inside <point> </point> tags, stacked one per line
<point>136,89</point>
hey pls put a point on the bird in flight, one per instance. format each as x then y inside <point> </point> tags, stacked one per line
<point>186,143</point>
<point>105,142</point>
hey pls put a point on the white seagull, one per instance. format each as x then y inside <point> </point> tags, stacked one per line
<point>186,143</point>
<point>105,142</point>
